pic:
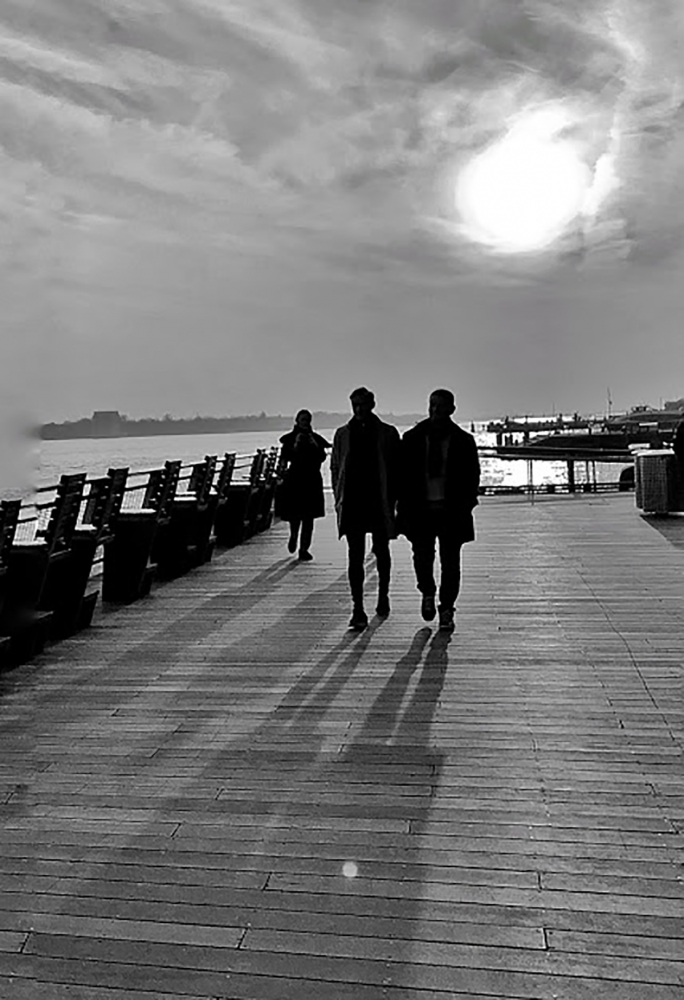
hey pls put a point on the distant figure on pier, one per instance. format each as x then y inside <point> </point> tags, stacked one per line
<point>678,443</point>
<point>440,478</point>
<point>364,467</point>
<point>300,497</point>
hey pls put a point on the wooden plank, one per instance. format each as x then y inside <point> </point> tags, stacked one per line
<point>339,914</point>
<point>591,972</point>
<point>323,858</point>
<point>32,989</point>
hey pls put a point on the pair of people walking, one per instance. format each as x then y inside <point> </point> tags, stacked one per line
<point>424,485</point>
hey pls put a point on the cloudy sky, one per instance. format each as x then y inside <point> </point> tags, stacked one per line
<point>227,206</point>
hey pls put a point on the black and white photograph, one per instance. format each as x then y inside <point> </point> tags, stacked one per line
<point>342,500</point>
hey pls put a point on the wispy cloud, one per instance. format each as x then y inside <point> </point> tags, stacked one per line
<point>321,137</point>
<point>264,103</point>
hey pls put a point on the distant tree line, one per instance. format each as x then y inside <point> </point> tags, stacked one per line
<point>110,423</point>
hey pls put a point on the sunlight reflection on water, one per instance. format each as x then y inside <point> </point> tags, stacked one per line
<point>95,456</point>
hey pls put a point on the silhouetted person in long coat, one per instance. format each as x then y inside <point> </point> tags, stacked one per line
<point>440,478</point>
<point>301,497</point>
<point>678,443</point>
<point>364,468</point>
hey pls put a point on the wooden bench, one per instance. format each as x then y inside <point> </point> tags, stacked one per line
<point>223,530</point>
<point>208,502</point>
<point>183,543</point>
<point>128,568</point>
<point>269,476</point>
<point>257,484</point>
<point>9,517</point>
<point>66,590</point>
<point>239,512</point>
<point>23,618</point>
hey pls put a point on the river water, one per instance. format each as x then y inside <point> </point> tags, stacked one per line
<point>95,455</point>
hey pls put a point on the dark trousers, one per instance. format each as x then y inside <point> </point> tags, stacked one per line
<point>306,524</point>
<point>356,542</point>
<point>437,526</point>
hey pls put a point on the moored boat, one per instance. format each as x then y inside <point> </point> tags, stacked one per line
<point>610,438</point>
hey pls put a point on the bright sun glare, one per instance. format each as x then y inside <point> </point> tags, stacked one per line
<point>523,191</point>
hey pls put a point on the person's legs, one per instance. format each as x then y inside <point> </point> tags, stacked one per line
<point>294,532</point>
<point>356,544</point>
<point>450,559</point>
<point>383,561</point>
<point>423,545</point>
<point>450,581</point>
<point>305,538</point>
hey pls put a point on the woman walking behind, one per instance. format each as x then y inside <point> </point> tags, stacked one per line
<point>301,493</point>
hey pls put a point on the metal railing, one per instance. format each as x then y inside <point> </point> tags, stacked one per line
<point>35,511</point>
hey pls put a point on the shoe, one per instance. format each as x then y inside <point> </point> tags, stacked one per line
<point>358,620</point>
<point>383,606</point>
<point>305,556</point>
<point>427,607</point>
<point>292,544</point>
<point>446,620</point>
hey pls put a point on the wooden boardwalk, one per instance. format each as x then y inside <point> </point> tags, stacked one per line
<point>222,793</point>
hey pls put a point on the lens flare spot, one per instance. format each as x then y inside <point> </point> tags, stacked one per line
<point>350,869</point>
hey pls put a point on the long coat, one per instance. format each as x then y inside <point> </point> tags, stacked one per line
<point>461,486</point>
<point>387,452</point>
<point>678,443</point>
<point>301,492</point>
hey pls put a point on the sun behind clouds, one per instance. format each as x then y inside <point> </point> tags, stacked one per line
<point>521,193</point>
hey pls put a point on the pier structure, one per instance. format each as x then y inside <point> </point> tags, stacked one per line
<point>639,421</point>
<point>540,425</point>
<point>219,792</point>
<point>606,438</point>
<point>577,441</point>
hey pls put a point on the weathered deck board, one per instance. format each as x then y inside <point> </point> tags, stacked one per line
<point>221,792</point>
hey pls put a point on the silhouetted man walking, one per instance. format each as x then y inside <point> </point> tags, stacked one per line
<point>364,469</point>
<point>440,478</point>
<point>678,443</point>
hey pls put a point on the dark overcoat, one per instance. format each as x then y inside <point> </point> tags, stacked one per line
<point>678,443</point>
<point>461,486</point>
<point>387,443</point>
<point>300,494</point>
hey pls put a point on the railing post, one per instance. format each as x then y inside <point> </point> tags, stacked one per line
<point>530,479</point>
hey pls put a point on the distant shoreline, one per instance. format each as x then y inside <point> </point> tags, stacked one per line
<point>111,424</point>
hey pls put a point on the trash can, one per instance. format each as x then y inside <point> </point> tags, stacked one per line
<point>659,482</point>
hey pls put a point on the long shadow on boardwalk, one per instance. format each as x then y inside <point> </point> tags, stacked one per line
<point>333,820</point>
<point>315,834</point>
<point>150,657</point>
